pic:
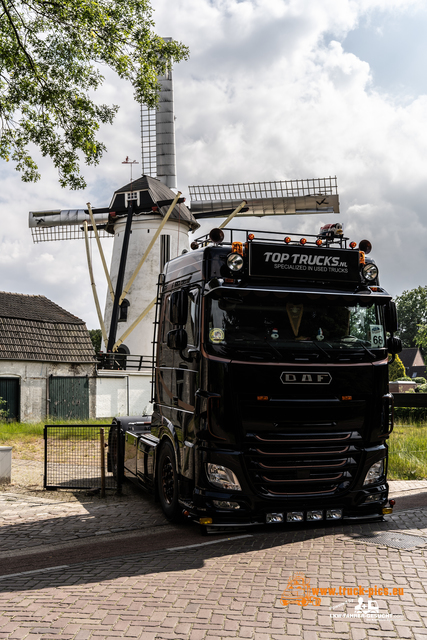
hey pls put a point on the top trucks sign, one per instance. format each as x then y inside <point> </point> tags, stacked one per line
<point>308,263</point>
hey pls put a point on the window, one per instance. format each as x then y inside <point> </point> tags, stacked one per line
<point>261,325</point>
<point>133,196</point>
<point>191,327</point>
<point>123,310</point>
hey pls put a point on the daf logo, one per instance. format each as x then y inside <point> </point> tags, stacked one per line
<point>299,377</point>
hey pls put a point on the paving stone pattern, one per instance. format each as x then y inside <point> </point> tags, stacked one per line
<point>33,522</point>
<point>230,589</point>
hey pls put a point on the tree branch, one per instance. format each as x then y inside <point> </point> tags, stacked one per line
<point>21,46</point>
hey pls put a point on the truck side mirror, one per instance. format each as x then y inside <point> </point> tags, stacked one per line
<point>179,307</point>
<point>394,345</point>
<point>177,339</point>
<point>391,317</point>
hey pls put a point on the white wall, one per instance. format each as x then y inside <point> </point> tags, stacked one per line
<point>122,394</point>
<point>33,384</point>
<point>111,393</point>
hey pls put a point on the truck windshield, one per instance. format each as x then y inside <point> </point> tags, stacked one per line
<point>268,326</point>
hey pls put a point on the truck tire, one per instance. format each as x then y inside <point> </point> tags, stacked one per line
<point>167,483</point>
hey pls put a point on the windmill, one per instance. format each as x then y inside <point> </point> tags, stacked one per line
<point>150,224</point>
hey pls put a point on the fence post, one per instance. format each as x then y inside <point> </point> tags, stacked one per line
<point>102,441</point>
<point>45,457</point>
<point>120,458</point>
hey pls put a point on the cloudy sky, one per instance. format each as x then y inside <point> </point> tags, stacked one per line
<point>274,89</point>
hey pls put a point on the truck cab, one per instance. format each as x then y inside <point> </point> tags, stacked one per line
<point>270,382</point>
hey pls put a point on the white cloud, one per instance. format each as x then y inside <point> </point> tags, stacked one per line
<point>268,93</point>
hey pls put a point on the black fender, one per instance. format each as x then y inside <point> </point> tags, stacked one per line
<point>166,432</point>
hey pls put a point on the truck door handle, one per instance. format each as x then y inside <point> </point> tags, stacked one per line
<point>200,393</point>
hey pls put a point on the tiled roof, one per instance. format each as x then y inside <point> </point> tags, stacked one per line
<point>18,305</point>
<point>411,357</point>
<point>152,191</point>
<point>35,328</point>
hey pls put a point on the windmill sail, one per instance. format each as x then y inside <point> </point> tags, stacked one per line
<point>281,197</point>
<point>67,224</point>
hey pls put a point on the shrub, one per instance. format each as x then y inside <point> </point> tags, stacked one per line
<point>396,369</point>
<point>420,380</point>
<point>3,411</point>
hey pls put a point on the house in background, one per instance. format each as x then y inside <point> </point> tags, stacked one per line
<point>413,362</point>
<point>47,361</point>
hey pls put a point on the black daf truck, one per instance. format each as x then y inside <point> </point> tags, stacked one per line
<point>270,383</point>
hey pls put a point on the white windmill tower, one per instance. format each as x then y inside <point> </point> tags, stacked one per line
<point>149,223</point>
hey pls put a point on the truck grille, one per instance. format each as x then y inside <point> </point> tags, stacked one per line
<point>293,459</point>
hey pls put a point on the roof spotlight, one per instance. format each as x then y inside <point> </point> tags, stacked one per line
<point>365,246</point>
<point>216,235</point>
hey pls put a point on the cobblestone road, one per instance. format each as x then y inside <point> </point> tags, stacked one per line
<point>217,589</point>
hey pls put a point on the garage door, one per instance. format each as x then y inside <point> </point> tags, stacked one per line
<point>9,391</point>
<point>69,398</point>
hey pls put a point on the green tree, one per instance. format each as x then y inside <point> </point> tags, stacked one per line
<point>412,312</point>
<point>51,53</point>
<point>396,369</point>
<point>96,337</point>
<point>421,337</point>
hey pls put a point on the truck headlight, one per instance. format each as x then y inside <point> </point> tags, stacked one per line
<point>370,271</point>
<point>222,477</point>
<point>235,262</point>
<point>374,473</point>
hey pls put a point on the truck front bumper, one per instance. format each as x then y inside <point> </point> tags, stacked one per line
<point>215,508</point>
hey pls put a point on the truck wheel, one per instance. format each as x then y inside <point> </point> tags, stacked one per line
<point>167,483</point>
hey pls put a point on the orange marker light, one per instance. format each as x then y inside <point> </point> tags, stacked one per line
<point>237,247</point>
<point>251,236</point>
<point>262,398</point>
<point>303,240</point>
<point>361,257</point>
<point>287,239</point>
<point>353,245</point>
<point>346,398</point>
<point>318,242</point>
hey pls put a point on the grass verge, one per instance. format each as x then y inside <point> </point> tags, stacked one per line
<point>408,452</point>
<point>27,438</point>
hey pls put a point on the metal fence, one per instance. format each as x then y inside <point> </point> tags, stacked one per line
<point>124,362</point>
<point>75,458</point>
